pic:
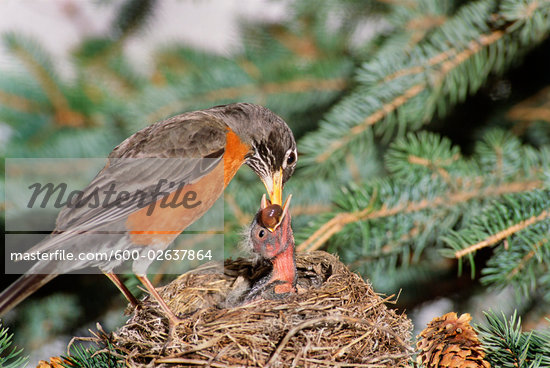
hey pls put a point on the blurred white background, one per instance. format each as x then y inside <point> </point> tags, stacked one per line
<point>208,24</point>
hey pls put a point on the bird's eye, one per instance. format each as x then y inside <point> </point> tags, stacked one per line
<point>291,158</point>
<point>261,233</point>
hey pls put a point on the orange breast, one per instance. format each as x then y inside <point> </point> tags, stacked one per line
<point>235,152</point>
<point>163,225</point>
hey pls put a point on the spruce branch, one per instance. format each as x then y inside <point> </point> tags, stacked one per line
<point>521,223</point>
<point>312,209</point>
<point>425,23</point>
<point>132,15</point>
<point>448,199</point>
<point>525,227</point>
<point>526,258</point>
<point>370,120</point>
<point>81,356</point>
<point>531,114</point>
<point>404,3</point>
<point>447,60</point>
<point>9,357</point>
<point>305,47</point>
<point>413,24</point>
<point>521,263</point>
<point>506,345</point>
<point>18,102</point>
<point>433,193</point>
<point>472,43</point>
<point>501,235</point>
<point>533,109</point>
<point>236,93</point>
<point>389,248</point>
<point>40,65</point>
<point>405,197</point>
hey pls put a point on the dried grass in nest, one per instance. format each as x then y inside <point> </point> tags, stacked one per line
<point>335,319</point>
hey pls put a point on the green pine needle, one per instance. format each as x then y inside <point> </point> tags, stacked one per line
<point>93,358</point>
<point>10,357</point>
<point>507,346</point>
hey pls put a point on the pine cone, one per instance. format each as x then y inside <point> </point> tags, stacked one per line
<point>55,362</point>
<point>450,342</point>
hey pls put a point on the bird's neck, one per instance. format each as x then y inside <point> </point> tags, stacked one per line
<point>284,269</point>
<point>234,156</point>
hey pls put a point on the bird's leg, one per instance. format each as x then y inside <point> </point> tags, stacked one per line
<point>173,320</point>
<point>123,289</point>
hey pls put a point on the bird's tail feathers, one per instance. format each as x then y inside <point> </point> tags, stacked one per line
<point>21,289</point>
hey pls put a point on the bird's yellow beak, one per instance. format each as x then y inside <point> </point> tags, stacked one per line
<point>274,187</point>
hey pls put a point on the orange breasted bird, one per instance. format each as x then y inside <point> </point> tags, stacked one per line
<point>226,137</point>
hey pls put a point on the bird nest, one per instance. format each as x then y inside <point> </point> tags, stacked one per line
<point>335,319</point>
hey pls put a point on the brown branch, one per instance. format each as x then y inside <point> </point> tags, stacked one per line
<point>372,119</point>
<point>499,164</point>
<point>435,165</point>
<point>249,68</point>
<point>389,248</point>
<point>64,115</point>
<point>451,198</point>
<point>530,113</point>
<point>501,235</point>
<point>532,109</point>
<point>536,321</point>
<point>18,102</point>
<point>232,93</point>
<point>446,67</point>
<point>434,60</point>
<point>526,258</point>
<point>473,48</point>
<point>304,85</point>
<point>416,160</point>
<point>353,167</point>
<point>99,69</point>
<point>312,209</point>
<point>531,8</point>
<point>304,47</point>
<point>443,57</point>
<point>432,163</point>
<point>425,22</point>
<point>419,27</point>
<point>405,3</point>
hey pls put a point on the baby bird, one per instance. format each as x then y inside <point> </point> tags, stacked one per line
<point>275,247</point>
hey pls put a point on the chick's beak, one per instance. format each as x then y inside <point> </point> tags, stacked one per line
<point>274,218</point>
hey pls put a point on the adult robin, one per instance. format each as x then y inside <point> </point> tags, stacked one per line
<point>277,247</point>
<point>196,152</point>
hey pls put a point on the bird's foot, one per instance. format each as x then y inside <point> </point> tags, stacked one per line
<point>173,322</point>
<point>130,308</point>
